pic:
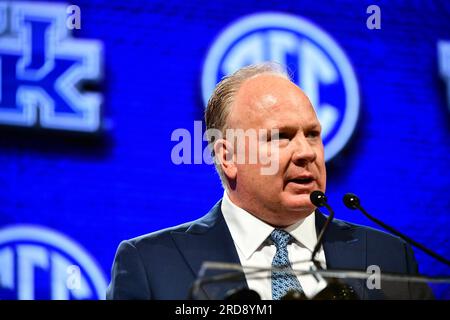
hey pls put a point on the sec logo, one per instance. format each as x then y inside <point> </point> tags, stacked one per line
<point>40,263</point>
<point>314,60</point>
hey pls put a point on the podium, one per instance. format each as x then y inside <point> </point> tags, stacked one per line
<point>227,281</point>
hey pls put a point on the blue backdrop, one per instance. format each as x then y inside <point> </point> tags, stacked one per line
<point>95,190</point>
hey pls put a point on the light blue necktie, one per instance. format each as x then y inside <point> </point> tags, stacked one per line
<point>283,281</point>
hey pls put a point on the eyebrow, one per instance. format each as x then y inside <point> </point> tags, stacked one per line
<point>315,126</point>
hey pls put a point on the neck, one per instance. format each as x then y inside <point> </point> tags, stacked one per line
<point>276,218</point>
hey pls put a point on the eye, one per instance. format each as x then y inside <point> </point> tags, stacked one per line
<point>284,135</point>
<point>280,136</point>
<point>313,134</point>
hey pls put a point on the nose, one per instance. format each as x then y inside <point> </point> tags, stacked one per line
<point>303,152</point>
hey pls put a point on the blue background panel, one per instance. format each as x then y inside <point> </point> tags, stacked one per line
<point>121,183</point>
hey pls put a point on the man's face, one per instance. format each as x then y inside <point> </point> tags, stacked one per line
<point>271,102</point>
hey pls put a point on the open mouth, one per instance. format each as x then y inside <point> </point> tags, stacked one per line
<point>302,181</point>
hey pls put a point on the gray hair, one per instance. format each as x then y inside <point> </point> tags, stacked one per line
<point>221,100</point>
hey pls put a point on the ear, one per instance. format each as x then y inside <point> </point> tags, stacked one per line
<point>224,152</point>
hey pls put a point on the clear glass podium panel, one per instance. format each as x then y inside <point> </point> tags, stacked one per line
<point>225,281</point>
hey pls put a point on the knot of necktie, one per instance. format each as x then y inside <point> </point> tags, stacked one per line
<point>281,238</point>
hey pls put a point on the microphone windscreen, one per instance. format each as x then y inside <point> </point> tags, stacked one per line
<point>351,201</point>
<point>242,294</point>
<point>318,198</point>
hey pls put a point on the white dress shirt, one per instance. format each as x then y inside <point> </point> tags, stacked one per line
<point>255,249</point>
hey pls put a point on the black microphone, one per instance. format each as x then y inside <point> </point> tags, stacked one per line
<point>242,294</point>
<point>352,201</point>
<point>335,289</point>
<point>319,199</point>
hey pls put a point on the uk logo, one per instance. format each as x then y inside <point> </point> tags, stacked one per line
<point>43,69</point>
<point>315,61</point>
<point>39,263</point>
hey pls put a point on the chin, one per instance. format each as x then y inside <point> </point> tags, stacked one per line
<point>299,203</point>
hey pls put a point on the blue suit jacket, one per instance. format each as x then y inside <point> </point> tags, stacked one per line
<point>164,264</point>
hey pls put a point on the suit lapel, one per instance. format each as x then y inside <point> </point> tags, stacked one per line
<point>209,239</point>
<point>345,249</point>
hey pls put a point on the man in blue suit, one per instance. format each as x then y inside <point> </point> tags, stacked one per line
<point>265,218</point>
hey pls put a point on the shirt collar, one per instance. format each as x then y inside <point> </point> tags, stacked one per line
<point>304,231</point>
<point>249,232</point>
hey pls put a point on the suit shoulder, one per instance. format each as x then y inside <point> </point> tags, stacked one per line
<point>158,236</point>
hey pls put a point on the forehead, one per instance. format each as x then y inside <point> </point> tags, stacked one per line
<point>273,101</point>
